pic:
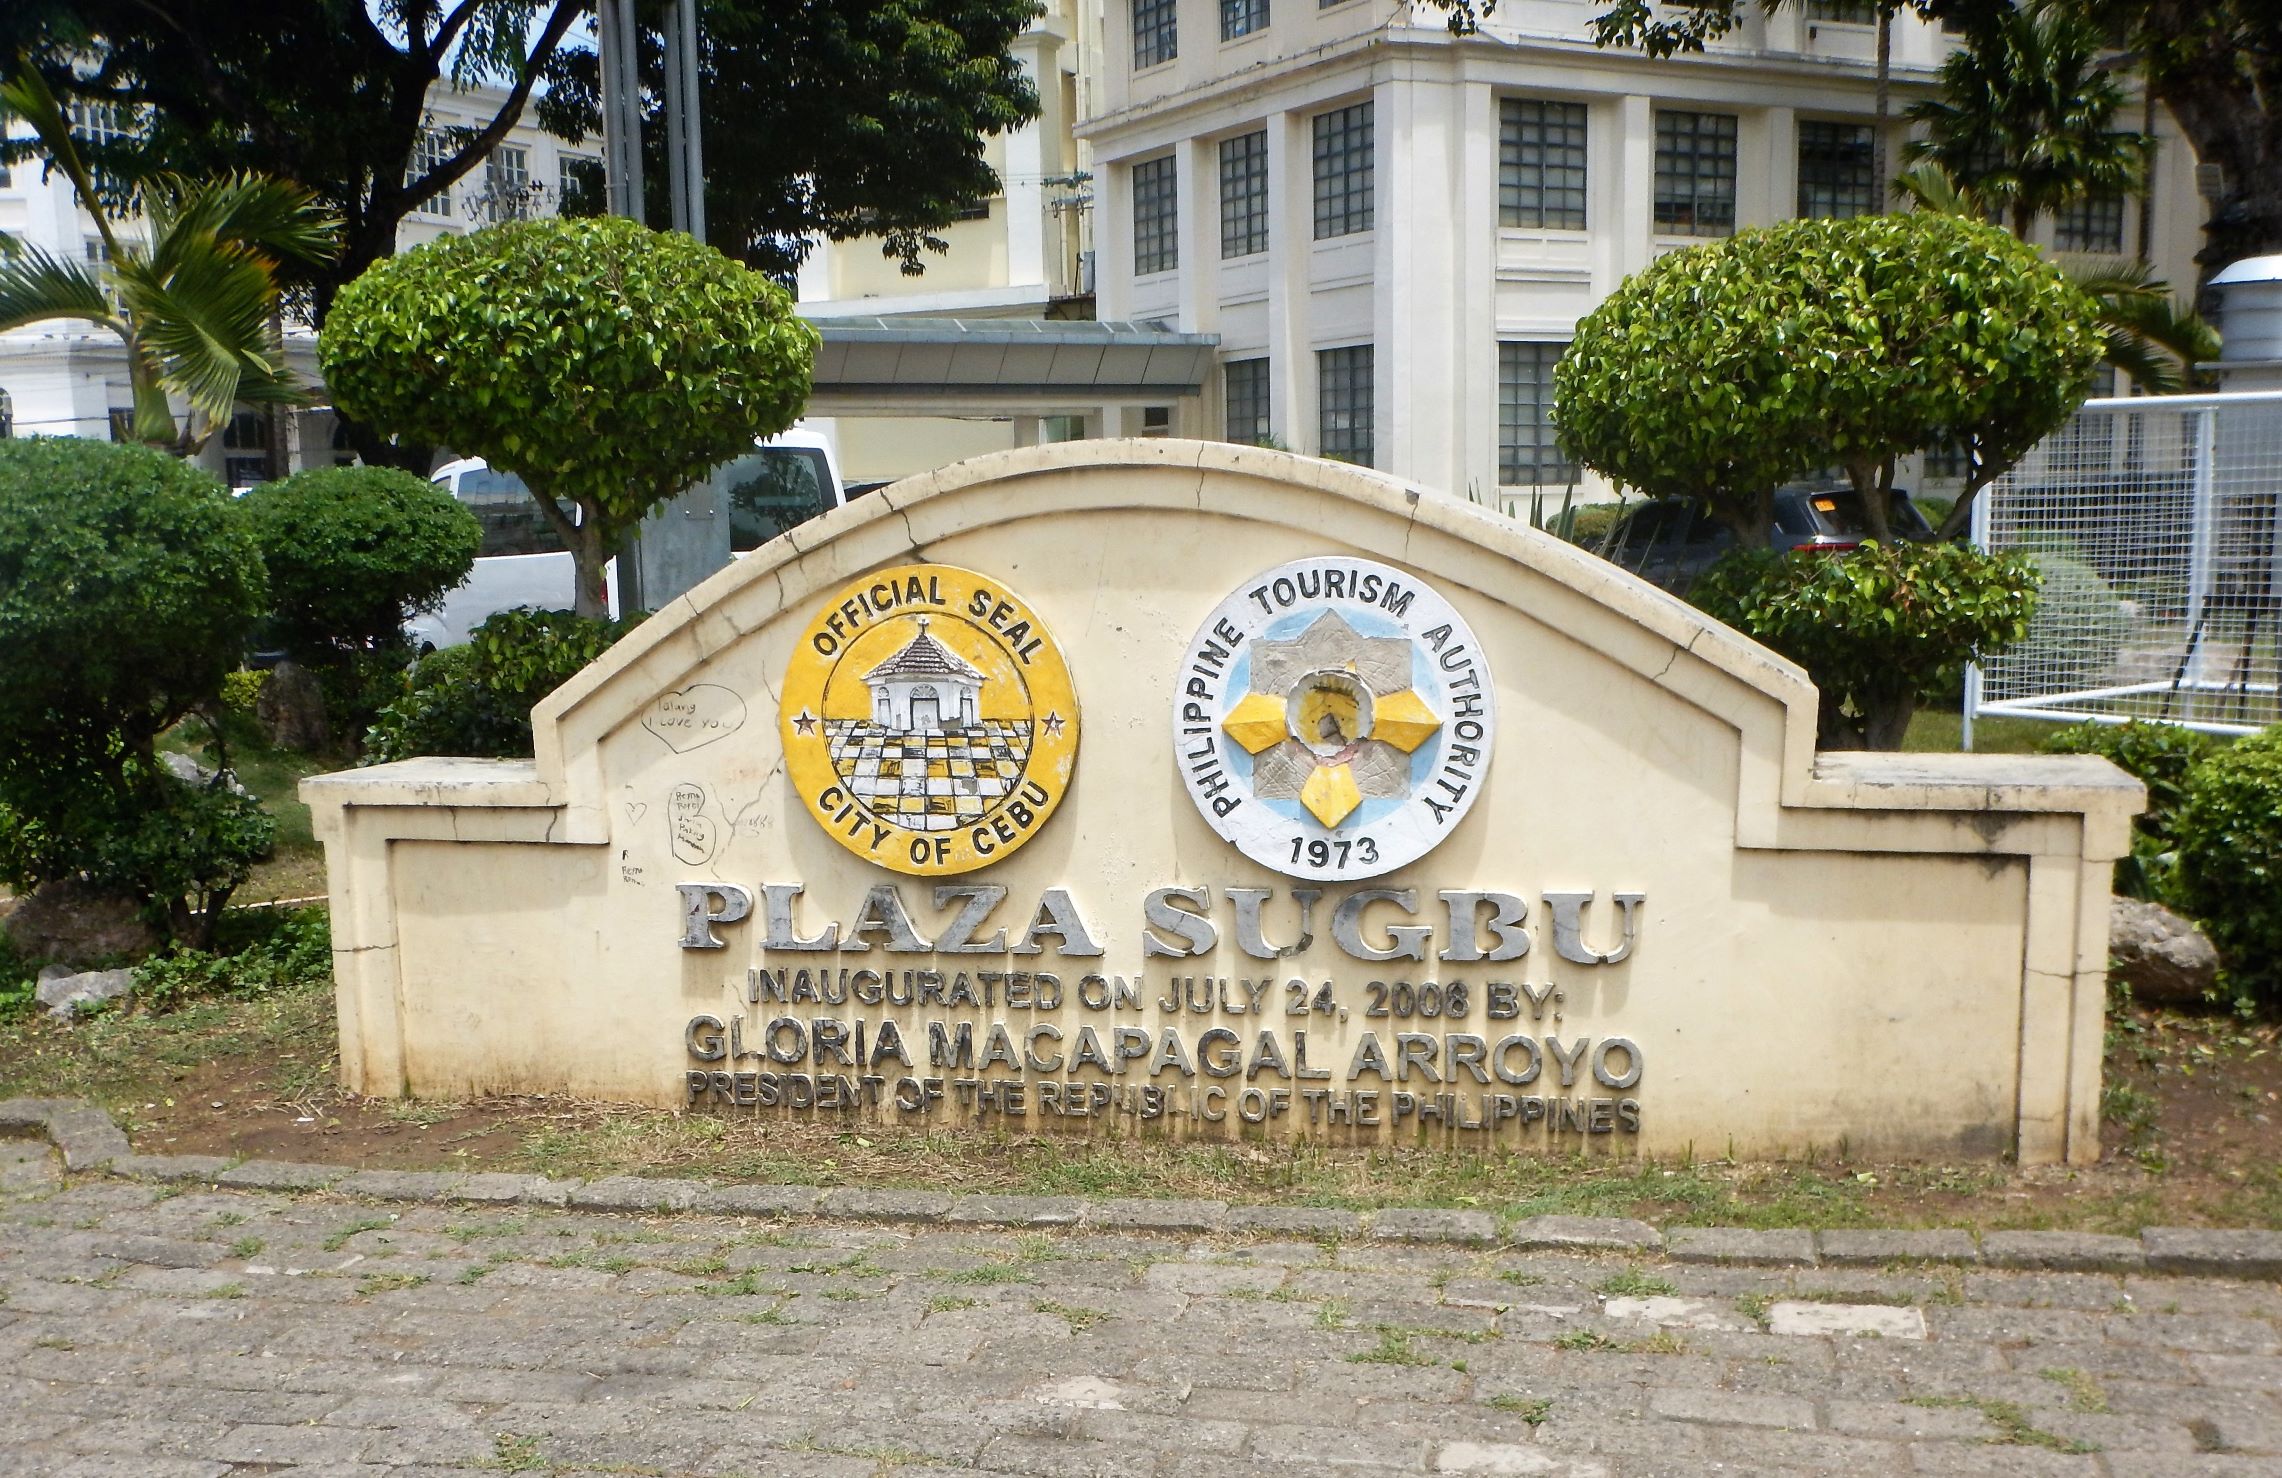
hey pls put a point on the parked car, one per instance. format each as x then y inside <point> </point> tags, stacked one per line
<point>522,561</point>
<point>1671,542</point>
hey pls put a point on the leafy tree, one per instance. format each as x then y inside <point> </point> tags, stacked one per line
<point>1726,369</point>
<point>607,365</point>
<point>196,305</point>
<point>127,587</point>
<point>352,552</point>
<point>857,118</point>
<point>2151,336</point>
<point>1879,629</point>
<point>2026,120</point>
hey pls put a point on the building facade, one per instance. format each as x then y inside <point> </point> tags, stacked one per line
<point>1393,231</point>
<point>69,377</point>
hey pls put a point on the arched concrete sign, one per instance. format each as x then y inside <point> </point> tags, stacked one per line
<point>1182,788</point>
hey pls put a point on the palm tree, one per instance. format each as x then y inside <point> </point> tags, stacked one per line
<point>2027,117</point>
<point>195,305</point>
<point>2152,337</point>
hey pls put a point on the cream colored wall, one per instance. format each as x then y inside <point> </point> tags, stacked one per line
<point>1826,951</point>
<point>872,448</point>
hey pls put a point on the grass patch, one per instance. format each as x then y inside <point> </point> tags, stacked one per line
<point>944,1303</point>
<point>340,1237</point>
<point>1535,1410</point>
<point>512,1452</point>
<point>2014,1429</point>
<point>2084,1393</point>
<point>1583,1339</point>
<point>1394,1348</point>
<point>1633,1283</point>
<point>373,1283</point>
<point>245,1247</point>
<point>982,1275</point>
<point>1079,1320</point>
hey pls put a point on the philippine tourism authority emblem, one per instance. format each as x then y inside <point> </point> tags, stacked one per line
<point>929,721</point>
<point>1334,718</point>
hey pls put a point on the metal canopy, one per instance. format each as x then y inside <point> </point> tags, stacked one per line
<point>926,361</point>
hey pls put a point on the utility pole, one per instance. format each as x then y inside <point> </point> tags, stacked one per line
<point>685,145</point>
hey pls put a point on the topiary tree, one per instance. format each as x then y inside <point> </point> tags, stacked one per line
<point>127,587</point>
<point>607,365</point>
<point>1727,369</point>
<point>1878,628</point>
<point>352,552</point>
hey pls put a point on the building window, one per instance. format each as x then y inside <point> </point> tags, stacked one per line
<point>1343,171</point>
<point>1156,32</point>
<point>579,186</point>
<point>429,152</point>
<point>1695,174</point>
<point>245,450</point>
<point>7,417</point>
<point>1244,195</point>
<point>1343,404</point>
<point>1541,164</point>
<point>122,423</point>
<point>1847,12</point>
<point>2095,224</point>
<point>1528,451</point>
<point>1247,395</point>
<point>1156,218</point>
<point>1242,18</point>
<point>978,211</point>
<point>1837,177</point>
<point>507,183</point>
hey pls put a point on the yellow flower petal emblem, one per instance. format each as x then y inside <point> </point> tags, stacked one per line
<point>1256,723</point>
<point>1331,794</point>
<point>1403,720</point>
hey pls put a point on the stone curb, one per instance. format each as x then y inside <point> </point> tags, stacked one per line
<point>89,1140</point>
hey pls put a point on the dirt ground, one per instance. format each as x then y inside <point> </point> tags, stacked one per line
<point>2194,1136</point>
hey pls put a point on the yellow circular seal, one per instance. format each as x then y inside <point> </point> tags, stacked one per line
<point>929,721</point>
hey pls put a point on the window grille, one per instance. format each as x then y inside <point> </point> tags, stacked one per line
<point>428,152</point>
<point>2094,224</point>
<point>1695,173</point>
<point>1247,396</point>
<point>1343,404</point>
<point>1528,450</point>
<point>1156,32</point>
<point>1156,222</point>
<point>1838,177</point>
<point>1242,18</point>
<point>1541,164</point>
<point>1344,180</point>
<point>1244,195</point>
<point>579,184</point>
<point>507,183</point>
<point>1848,12</point>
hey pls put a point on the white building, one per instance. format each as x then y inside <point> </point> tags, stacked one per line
<point>1393,231</point>
<point>69,377</point>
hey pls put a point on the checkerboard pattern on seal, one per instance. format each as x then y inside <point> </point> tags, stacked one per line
<point>929,782</point>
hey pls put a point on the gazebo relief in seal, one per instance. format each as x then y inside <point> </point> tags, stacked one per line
<point>1189,789</point>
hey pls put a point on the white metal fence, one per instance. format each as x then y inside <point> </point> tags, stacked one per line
<point>2153,520</point>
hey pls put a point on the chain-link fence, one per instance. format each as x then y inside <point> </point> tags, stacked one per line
<point>2153,521</point>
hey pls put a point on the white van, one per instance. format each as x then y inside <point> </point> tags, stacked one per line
<point>522,561</point>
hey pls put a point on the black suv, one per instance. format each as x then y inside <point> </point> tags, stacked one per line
<point>1672,542</point>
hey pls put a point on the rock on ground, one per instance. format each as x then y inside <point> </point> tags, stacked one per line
<point>64,990</point>
<point>74,924</point>
<point>291,709</point>
<point>2164,958</point>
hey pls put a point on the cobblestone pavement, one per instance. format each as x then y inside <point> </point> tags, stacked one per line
<point>157,1331</point>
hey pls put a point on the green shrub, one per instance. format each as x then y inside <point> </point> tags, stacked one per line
<point>2080,628</point>
<point>1876,628</point>
<point>1591,523</point>
<point>128,584</point>
<point>241,690</point>
<point>286,950</point>
<point>477,699</point>
<point>2230,861</point>
<point>353,551</point>
<point>2163,758</point>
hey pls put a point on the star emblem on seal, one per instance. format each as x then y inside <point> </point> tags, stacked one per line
<point>1331,718</point>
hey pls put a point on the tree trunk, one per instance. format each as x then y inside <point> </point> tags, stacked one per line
<point>1884,105</point>
<point>590,556</point>
<point>2229,121</point>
